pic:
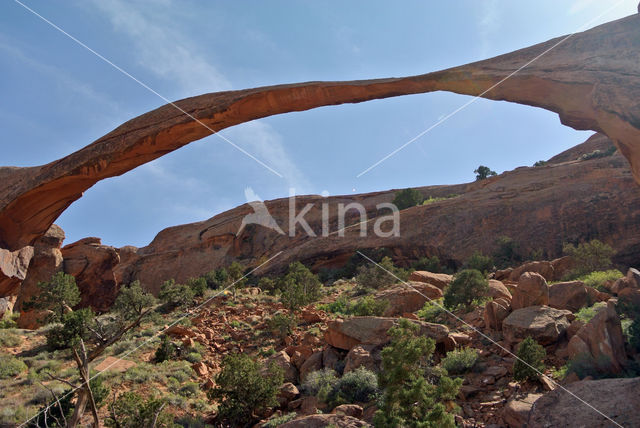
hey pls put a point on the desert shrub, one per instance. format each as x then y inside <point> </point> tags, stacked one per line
<point>268,284</point>
<point>530,361</point>
<point>198,286</point>
<point>321,384</point>
<point>507,252</point>
<point>540,163</point>
<point>432,311</point>
<point>132,410</point>
<point>283,324</point>
<point>460,361</point>
<point>469,286</point>
<point>483,172</point>
<point>280,420</point>
<point>75,326</point>
<point>586,314</point>
<point>10,366</point>
<point>9,321</point>
<point>9,339</point>
<point>359,385</point>
<point>630,311</point>
<point>377,277</point>
<point>407,198</point>
<point>299,287</point>
<point>598,154</point>
<point>175,295</point>
<point>480,262</point>
<point>189,389</point>
<point>242,388</point>
<point>599,278</point>
<point>216,279</point>
<point>589,257</point>
<point>430,264</point>
<point>166,350</point>
<point>409,397</point>
<point>57,296</point>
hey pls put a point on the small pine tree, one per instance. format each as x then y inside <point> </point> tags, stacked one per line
<point>468,286</point>
<point>57,296</point>
<point>409,399</point>
<point>480,262</point>
<point>589,257</point>
<point>299,287</point>
<point>166,351</point>
<point>176,295</point>
<point>483,172</point>
<point>197,285</point>
<point>408,198</point>
<point>530,362</point>
<point>132,410</point>
<point>236,276</point>
<point>378,276</point>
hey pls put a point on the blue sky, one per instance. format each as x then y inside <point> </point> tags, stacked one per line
<point>57,97</point>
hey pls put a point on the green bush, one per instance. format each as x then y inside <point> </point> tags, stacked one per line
<point>359,385</point>
<point>430,264</point>
<point>320,383</point>
<point>198,286</point>
<point>409,397</point>
<point>599,278</point>
<point>9,321</point>
<point>10,366</point>
<point>540,163</point>
<point>407,198</point>
<point>432,311</point>
<point>378,277</point>
<point>280,420</point>
<point>460,361</point>
<point>216,279</point>
<point>598,154</point>
<point>586,314</point>
<point>469,286</point>
<point>57,295</point>
<point>242,390</point>
<point>483,172</point>
<point>480,262</point>
<point>589,257</point>
<point>132,410</point>
<point>75,326</point>
<point>299,287</point>
<point>507,253</point>
<point>166,350</point>
<point>530,361</point>
<point>176,295</point>
<point>630,311</point>
<point>365,306</point>
<point>9,339</point>
<point>283,324</point>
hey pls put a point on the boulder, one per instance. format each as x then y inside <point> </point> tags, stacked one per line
<point>46,261</point>
<point>440,280</point>
<point>562,267</point>
<point>546,325</point>
<point>92,264</point>
<point>615,398</point>
<point>516,412</point>
<point>571,296</point>
<point>6,306</point>
<point>532,290</point>
<point>284,362</point>
<point>498,290</point>
<point>287,392</point>
<point>328,420</point>
<point>407,298</point>
<point>345,334</point>
<point>332,358</point>
<point>630,280</point>
<point>311,364</point>
<point>360,356</point>
<point>13,269</point>
<point>542,268</point>
<point>603,337</point>
<point>348,410</point>
<point>495,311</point>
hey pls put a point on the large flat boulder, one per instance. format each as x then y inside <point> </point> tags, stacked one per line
<point>345,334</point>
<point>546,325</point>
<point>615,398</point>
<point>440,280</point>
<point>406,298</point>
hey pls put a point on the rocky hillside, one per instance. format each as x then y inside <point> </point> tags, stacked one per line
<point>541,208</point>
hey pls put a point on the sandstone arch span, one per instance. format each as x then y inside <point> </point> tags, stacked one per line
<point>592,80</point>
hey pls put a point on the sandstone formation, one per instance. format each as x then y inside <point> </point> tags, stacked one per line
<point>532,290</point>
<point>440,280</point>
<point>516,412</point>
<point>615,398</point>
<point>13,269</point>
<point>408,297</point>
<point>590,79</point>
<point>573,296</point>
<point>546,325</point>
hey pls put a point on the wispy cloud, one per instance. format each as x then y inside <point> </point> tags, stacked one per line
<point>488,24</point>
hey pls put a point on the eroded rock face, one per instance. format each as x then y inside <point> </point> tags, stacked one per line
<point>92,264</point>
<point>602,97</point>
<point>615,398</point>
<point>532,290</point>
<point>13,269</point>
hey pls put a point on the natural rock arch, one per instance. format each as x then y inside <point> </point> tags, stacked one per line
<point>590,79</point>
